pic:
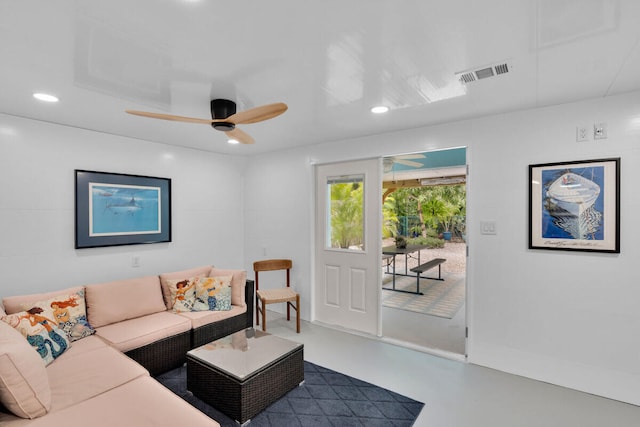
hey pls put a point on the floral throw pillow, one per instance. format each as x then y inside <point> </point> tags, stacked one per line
<point>182,293</point>
<point>70,313</point>
<point>213,293</point>
<point>41,331</point>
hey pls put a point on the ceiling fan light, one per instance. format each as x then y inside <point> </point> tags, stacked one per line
<point>223,126</point>
<point>379,109</point>
<point>46,97</point>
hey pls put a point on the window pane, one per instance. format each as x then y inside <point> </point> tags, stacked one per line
<point>345,212</point>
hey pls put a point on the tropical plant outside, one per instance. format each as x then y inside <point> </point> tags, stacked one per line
<point>429,241</point>
<point>439,209</point>
<point>347,221</point>
<point>389,218</point>
<point>436,209</point>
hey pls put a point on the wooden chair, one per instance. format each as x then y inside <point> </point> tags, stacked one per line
<point>271,296</point>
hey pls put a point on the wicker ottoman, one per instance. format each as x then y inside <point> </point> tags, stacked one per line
<point>245,372</point>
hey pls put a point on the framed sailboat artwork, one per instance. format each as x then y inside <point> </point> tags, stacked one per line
<point>575,206</point>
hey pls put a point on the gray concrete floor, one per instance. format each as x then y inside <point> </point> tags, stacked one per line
<point>455,393</point>
<point>426,331</point>
<point>422,330</point>
<point>429,332</point>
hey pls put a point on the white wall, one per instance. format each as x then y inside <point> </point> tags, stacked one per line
<point>37,207</point>
<point>561,317</point>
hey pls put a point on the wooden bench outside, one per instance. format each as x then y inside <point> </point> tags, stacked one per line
<point>428,266</point>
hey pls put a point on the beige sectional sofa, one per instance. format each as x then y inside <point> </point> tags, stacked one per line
<point>106,378</point>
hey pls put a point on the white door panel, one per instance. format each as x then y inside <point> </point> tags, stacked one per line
<point>347,279</point>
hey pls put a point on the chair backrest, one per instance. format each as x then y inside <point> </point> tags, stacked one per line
<point>271,265</point>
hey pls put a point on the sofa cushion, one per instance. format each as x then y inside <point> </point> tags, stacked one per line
<point>24,384</point>
<point>238,283</point>
<point>120,300</point>
<point>78,376</point>
<point>180,275</point>
<point>182,293</point>
<point>143,402</point>
<point>40,331</point>
<point>135,333</point>
<point>83,346</point>
<point>213,293</point>
<point>201,318</point>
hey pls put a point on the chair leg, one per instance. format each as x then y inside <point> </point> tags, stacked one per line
<point>264,316</point>
<point>298,313</point>
<point>288,312</point>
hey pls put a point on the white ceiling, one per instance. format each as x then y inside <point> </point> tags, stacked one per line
<point>330,61</point>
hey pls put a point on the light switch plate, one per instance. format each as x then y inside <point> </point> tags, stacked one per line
<point>488,227</point>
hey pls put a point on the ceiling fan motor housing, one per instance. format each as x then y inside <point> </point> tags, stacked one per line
<point>221,109</point>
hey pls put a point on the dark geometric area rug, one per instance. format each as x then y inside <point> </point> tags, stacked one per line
<point>326,398</point>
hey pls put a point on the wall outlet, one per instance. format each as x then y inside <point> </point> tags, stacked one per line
<point>600,131</point>
<point>135,261</point>
<point>582,133</point>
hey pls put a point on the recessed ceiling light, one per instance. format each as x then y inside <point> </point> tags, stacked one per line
<point>233,141</point>
<point>45,97</point>
<point>379,109</point>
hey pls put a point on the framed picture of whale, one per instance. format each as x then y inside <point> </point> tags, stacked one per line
<point>575,206</point>
<point>115,209</point>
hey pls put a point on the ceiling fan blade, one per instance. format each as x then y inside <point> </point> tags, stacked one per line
<point>240,136</point>
<point>258,114</point>
<point>409,163</point>
<point>170,117</point>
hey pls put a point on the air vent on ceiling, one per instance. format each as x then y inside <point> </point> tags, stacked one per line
<point>485,72</point>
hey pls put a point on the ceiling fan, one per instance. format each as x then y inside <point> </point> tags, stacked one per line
<point>225,118</point>
<point>406,159</point>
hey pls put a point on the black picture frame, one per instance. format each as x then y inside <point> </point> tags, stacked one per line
<point>575,206</point>
<point>114,209</point>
